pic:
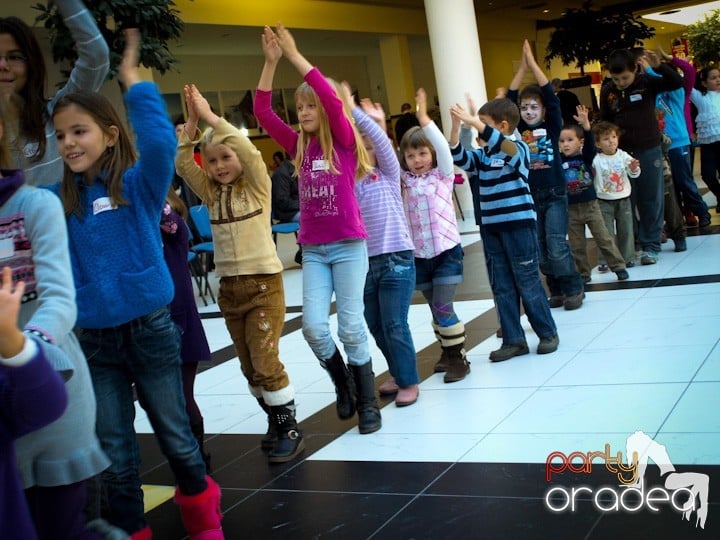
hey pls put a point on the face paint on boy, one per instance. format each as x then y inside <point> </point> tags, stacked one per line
<point>532,112</point>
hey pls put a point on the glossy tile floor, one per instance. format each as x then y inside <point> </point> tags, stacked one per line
<point>468,460</point>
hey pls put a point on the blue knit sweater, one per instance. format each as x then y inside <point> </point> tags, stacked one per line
<point>116,254</point>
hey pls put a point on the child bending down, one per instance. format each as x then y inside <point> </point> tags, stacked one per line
<point>237,190</point>
<point>32,395</point>
<point>508,225</point>
<point>613,169</point>
<point>577,146</point>
<point>113,204</point>
<point>427,181</point>
<point>329,156</point>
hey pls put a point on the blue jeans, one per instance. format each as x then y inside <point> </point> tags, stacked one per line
<point>556,259</point>
<point>339,267</point>
<point>145,351</point>
<point>388,290</point>
<point>686,189</point>
<point>512,259</point>
<point>648,196</point>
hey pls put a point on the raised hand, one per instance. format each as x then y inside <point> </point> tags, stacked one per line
<point>11,338</point>
<point>634,165</point>
<point>200,105</point>
<point>582,117</point>
<point>374,111</point>
<point>421,104</point>
<point>270,45</point>
<point>457,111</point>
<point>652,58</point>
<point>528,53</point>
<point>348,94</point>
<point>285,40</point>
<point>128,70</point>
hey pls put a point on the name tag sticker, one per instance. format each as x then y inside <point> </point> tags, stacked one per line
<point>566,165</point>
<point>7,248</point>
<point>102,204</point>
<point>320,165</point>
<point>541,132</point>
<point>497,162</point>
<point>635,97</point>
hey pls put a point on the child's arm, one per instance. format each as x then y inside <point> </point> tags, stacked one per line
<point>12,340</point>
<point>537,71</point>
<point>507,146</point>
<point>93,61</point>
<point>588,149</point>
<point>632,165</point>
<point>669,79</point>
<point>433,133</point>
<point>155,136</point>
<point>367,118</point>
<point>185,164</point>
<point>286,136</point>
<point>519,76</point>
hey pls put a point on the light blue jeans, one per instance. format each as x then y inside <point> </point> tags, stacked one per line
<point>339,267</point>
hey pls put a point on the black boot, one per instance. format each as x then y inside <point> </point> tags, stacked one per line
<point>198,430</point>
<point>268,441</point>
<point>344,388</point>
<point>368,413</point>
<point>289,439</point>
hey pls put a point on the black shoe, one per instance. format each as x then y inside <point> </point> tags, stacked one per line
<point>622,274</point>
<point>705,221</point>
<point>556,301</point>
<point>548,345</point>
<point>270,438</point>
<point>369,419</point>
<point>298,256</point>
<point>289,438</point>
<point>680,245</point>
<point>344,387</point>
<point>198,431</point>
<point>508,351</point>
<point>574,301</point>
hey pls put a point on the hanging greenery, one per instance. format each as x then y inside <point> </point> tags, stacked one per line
<point>158,22</point>
<point>704,39</point>
<point>586,35</point>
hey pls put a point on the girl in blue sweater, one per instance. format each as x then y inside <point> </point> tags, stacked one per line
<point>113,204</point>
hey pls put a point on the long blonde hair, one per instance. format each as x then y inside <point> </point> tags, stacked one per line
<point>210,192</point>
<point>306,93</point>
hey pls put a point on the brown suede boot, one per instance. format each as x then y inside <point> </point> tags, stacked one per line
<point>452,339</point>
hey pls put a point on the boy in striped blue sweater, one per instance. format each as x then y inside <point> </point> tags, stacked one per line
<point>508,224</point>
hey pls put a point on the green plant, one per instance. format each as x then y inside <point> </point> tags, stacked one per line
<point>587,35</point>
<point>158,22</point>
<point>704,39</point>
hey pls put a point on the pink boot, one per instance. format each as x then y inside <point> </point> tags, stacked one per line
<point>143,534</point>
<point>201,513</point>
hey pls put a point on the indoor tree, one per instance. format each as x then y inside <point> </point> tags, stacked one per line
<point>158,21</point>
<point>704,39</point>
<point>587,35</point>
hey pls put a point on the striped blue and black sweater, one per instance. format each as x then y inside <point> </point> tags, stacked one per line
<point>505,200</point>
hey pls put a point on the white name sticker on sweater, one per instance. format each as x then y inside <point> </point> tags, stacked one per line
<point>102,204</point>
<point>7,248</point>
<point>635,97</point>
<point>497,162</point>
<point>320,165</point>
<point>541,132</point>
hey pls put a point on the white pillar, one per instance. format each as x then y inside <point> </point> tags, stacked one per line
<point>452,27</point>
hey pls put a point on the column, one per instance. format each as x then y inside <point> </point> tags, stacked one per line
<point>452,27</point>
<point>395,56</point>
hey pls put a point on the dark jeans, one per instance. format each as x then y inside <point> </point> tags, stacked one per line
<point>686,190</point>
<point>710,167</point>
<point>648,196</point>
<point>556,259</point>
<point>513,270</point>
<point>388,290</point>
<point>145,351</point>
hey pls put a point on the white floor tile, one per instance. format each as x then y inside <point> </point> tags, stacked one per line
<point>697,410</point>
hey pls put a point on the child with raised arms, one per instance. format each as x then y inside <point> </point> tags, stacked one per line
<point>112,204</point>
<point>329,157</point>
<point>235,186</point>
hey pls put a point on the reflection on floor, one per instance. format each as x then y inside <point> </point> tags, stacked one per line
<point>469,459</point>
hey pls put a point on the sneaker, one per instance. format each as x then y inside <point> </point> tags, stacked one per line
<point>690,219</point>
<point>603,268</point>
<point>407,396</point>
<point>680,245</point>
<point>622,274</point>
<point>508,351</point>
<point>586,279</point>
<point>574,301</point>
<point>548,345</point>
<point>388,387</point>
<point>648,257</point>
<point>705,220</point>
<point>556,301</point>
<point>630,264</point>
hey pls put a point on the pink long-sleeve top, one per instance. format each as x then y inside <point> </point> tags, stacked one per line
<point>329,211</point>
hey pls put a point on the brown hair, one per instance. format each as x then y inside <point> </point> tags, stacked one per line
<point>603,128</point>
<point>415,138</point>
<point>176,203</point>
<point>114,161</point>
<point>501,109</point>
